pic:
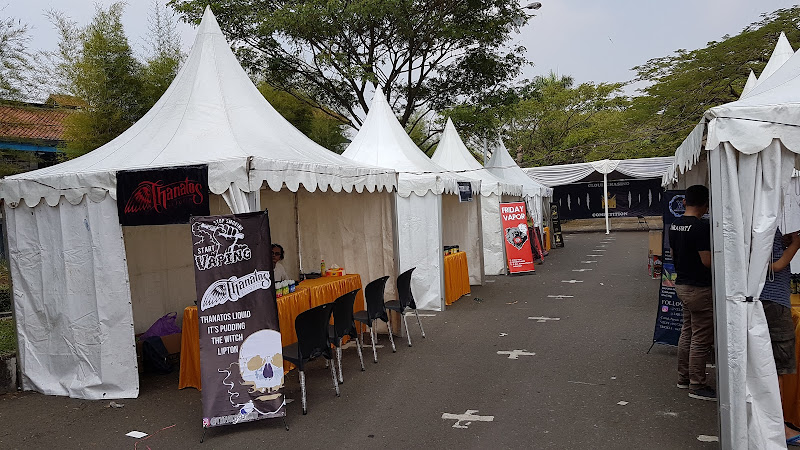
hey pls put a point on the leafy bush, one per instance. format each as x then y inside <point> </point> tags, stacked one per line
<point>8,342</point>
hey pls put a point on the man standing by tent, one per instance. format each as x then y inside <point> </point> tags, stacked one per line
<point>690,241</point>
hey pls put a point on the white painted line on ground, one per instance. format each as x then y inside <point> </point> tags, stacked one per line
<point>582,382</point>
<point>571,281</point>
<point>587,262</point>
<point>594,256</point>
<point>467,418</point>
<point>515,354</point>
<point>352,344</point>
<point>560,296</point>
<point>705,438</point>
<point>580,270</point>
<point>543,319</point>
<point>599,250</point>
<point>622,403</point>
<point>136,434</point>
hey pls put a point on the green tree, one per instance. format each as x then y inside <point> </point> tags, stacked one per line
<point>165,55</point>
<point>682,86</point>
<point>426,54</point>
<point>15,60</point>
<point>556,122</point>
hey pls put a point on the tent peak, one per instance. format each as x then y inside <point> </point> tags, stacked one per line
<point>208,24</point>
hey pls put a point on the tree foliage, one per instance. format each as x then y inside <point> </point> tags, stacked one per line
<point>96,64</point>
<point>682,86</point>
<point>425,53</point>
<point>15,60</point>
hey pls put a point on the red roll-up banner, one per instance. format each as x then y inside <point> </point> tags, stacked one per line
<point>519,254</point>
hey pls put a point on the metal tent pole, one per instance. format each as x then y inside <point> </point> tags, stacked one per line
<point>716,199</point>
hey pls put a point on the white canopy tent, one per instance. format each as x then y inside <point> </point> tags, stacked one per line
<point>426,219</point>
<point>83,285</point>
<point>503,166</point>
<point>452,154</point>
<point>751,149</point>
<point>570,173</point>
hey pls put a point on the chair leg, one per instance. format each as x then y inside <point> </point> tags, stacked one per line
<point>391,338</point>
<point>372,341</point>
<point>303,391</point>
<point>360,355</point>
<point>405,322</point>
<point>339,358</point>
<point>420,323</point>
<point>333,377</point>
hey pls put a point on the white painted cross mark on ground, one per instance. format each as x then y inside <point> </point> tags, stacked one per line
<point>543,319</point>
<point>560,296</point>
<point>515,354</point>
<point>580,270</point>
<point>467,418</point>
<point>571,281</point>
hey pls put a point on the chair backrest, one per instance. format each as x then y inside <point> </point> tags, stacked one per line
<point>343,315</point>
<point>311,327</point>
<point>404,293</point>
<point>374,295</point>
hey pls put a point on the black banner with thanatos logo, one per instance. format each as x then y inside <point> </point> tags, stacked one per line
<point>162,196</point>
<point>241,357</point>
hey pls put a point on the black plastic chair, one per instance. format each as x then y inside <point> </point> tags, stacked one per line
<point>343,325</point>
<point>375,310</point>
<point>312,341</point>
<point>405,301</point>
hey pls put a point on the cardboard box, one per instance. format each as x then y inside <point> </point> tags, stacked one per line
<point>656,242</point>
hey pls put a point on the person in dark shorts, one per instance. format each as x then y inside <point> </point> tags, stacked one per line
<point>776,300</point>
<point>690,241</point>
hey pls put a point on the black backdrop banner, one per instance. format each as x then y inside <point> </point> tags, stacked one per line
<point>241,358</point>
<point>162,196</point>
<point>627,198</point>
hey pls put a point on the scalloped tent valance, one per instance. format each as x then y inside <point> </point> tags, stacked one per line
<point>210,114</point>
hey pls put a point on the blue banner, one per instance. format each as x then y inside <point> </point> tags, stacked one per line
<point>669,318</point>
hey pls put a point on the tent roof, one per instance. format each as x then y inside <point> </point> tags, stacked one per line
<point>570,173</point>
<point>780,54</point>
<point>383,142</point>
<point>210,114</point>
<point>749,85</point>
<point>503,166</point>
<point>452,154</point>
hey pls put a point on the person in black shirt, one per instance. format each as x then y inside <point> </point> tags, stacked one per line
<point>690,241</point>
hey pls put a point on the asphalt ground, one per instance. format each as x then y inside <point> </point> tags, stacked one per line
<point>590,384</point>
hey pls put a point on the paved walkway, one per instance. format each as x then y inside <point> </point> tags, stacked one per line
<point>588,384</point>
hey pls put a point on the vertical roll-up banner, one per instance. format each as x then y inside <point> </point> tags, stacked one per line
<point>518,243</point>
<point>241,359</point>
<point>669,317</point>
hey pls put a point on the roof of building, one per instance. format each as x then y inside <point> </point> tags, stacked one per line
<point>66,101</point>
<point>25,122</point>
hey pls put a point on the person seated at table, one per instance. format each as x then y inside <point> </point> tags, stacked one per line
<point>277,267</point>
<point>776,300</point>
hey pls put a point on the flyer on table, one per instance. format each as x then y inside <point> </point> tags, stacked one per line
<point>241,356</point>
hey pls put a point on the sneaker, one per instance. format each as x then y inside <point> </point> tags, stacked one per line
<point>683,384</point>
<point>703,393</point>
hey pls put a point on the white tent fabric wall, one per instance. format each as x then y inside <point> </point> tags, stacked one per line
<point>461,225</point>
<point>494,260</point>
<point>419,242</point>
<point>72,300</point>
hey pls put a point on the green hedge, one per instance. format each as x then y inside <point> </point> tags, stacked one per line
<point>5,298</point>
<point>8,342</point>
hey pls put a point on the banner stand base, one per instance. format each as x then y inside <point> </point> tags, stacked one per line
<point>203,436</point>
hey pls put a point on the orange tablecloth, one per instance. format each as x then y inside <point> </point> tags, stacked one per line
<point>790,392</point>
<point>308,294</point>
<point>190,350</point>
<point>456,277</point>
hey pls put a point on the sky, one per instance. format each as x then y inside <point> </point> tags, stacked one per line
<point>598,41</point>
